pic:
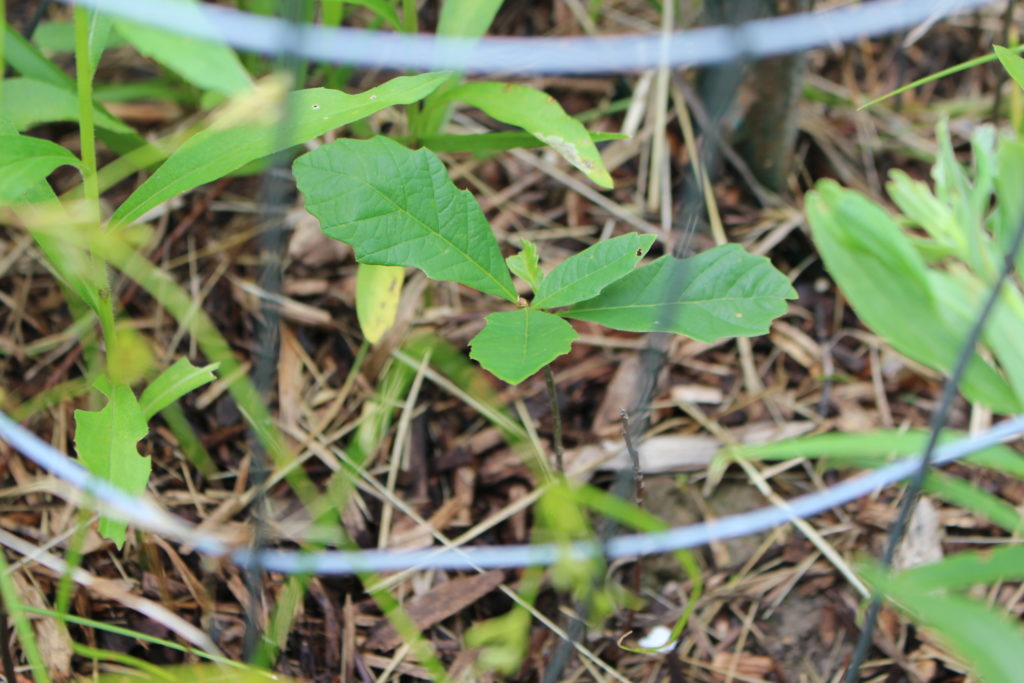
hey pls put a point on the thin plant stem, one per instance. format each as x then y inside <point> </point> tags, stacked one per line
<point>25,633</point>
<point>90,184</point>
<point>5,645</point>
<point>556,419</point>
<point>638,499</point>
<point>86,127</point>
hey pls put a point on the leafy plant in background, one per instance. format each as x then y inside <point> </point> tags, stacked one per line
<point>918,278</point>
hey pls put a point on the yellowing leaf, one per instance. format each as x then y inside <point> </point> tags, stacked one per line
<point>378,289</point>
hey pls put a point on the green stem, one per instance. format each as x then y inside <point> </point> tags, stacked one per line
<point>3,34</point>
<point>25,634</point>
<point>86,127</point>
<point>90,185</point>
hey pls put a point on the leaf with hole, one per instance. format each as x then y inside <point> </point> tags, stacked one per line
<point>106,442</point>
<point>723,292</point>
<point>397,207</point>
<point>216,152</point>
<point>586,274</point>
<point>516,344</point>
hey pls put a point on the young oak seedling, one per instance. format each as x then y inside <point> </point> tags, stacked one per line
<point>398,207</point>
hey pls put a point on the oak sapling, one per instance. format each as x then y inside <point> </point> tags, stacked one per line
<point>397,207</point>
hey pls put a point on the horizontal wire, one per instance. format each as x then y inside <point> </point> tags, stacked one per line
<point>145,514</point>
<point>576,55</point>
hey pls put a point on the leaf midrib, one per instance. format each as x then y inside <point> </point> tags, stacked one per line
<point>438,234</point>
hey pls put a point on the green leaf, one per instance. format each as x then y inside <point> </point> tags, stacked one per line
<point>397,207</point>
<point>516,344</point>
<point>723,292</point>
<point>106,442</point>
<point>871,448</point>
<point>29,102</point>
<point>887,282</point>
<point>968,496</point>
<point>540,115</point>
<point>586,274</point>
<point>216,152</point>
<point>28,61</point>
<point>382,9</point>
<point>966,569</point>
<point>985,639</point>
<point>378,291</point>
<point>27,161</point>
<point>467,18</point>
<point>173,383</point>
<point>1009,210</point>
<point>484,143</point>
<point>100,25</point>
<point>205,64</point>
<point>1012,62</point>
<point>525,264</point>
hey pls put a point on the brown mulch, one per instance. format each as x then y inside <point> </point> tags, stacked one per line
<point>775,607</point>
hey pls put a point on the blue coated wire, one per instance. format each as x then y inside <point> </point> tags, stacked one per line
<point>523,56</point>
<point>146,515</point>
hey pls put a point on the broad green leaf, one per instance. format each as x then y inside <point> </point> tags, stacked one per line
<point>723,292</point>
<point>378,290</point>
<point>485,143</point>
<point>1012,62</point>
<point>525,265</point>
<point>541,116</point>
<point>516,344</point>
<point>398,207</point>
<point>173,383</point>
<point>26,161</point>
<point>29,102</point>
<point>106,442</point>
<point>216,152</point>
<point>586,274</point>
<point>887,283</point>
<point>205,64</point>
<point>986,640</point>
